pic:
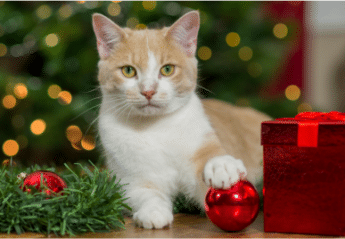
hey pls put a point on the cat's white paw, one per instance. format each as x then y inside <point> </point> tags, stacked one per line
<point>224,171</point>
<point>153,217</point>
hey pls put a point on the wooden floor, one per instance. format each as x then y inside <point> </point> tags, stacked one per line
<point>184,225</point>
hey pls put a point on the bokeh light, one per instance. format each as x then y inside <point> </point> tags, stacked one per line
<point>65,11</point>
<point>114,9</point>
<point>44,12</point>
<point>140,26</point>
<point>74,134</point>
<point>3,49</point>
<point>233,39</point>
<point>280,30</point>
<point>292,92</point>
<point>53,91</point>
<point>65,98</point>
<point>9,101</point>
<point>38,126</point>
<point>254,69</point>
<point>52,40</point>
<point>304,107</point>
<point>132,22</point>
<point>204,53</point>
<point>20,90</point>
<point>10,147</point>
<point>88,142</point>
<point>245,53</point>
<point>149,5</point>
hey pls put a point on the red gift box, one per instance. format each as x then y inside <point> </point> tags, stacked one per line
<point>304,174</point>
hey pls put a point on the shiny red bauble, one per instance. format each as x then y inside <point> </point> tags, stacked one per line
<point>52,183</point>
<point>233,209</point>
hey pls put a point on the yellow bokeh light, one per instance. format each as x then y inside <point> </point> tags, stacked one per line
<point>9,101</point>
<point>65,11</point>
<point>132,22</point>
<point>114,9</point>
<point>81,2</point>
<point>38,126</point>
<point>280,30</point>
<point>53,91</point>
<point>52,40</point>
<point>20,90</point>
<point>140,26</point>
<point>254,69</point>
<point>10,147</point>
<point>74,134</point>
<point>204,53</point>
<point>44,12</point>
<point>304,107</point>
<point>3,50</point>
<point>65,98</point>
<point>149,5</point>
<point>233,39</point>
<point>77,146</point>
<point>88,142</point>
<point>245,53</point>
<point>292,92</point>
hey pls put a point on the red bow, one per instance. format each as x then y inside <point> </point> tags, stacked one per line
<point>308,125</point>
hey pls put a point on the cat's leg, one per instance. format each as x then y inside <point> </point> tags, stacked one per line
<point>215,168</point>
<point>152,207</point>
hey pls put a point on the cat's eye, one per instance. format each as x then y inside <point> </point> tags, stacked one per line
<point>167,70</point>
<point>129,71</point>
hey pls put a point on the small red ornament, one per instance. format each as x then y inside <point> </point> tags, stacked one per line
<point>52,183</point>
<point>233,209</point>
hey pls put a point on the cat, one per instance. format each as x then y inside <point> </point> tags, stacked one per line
<point>158,136</point>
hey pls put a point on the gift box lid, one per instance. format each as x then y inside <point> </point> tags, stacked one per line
<point>307,129</point>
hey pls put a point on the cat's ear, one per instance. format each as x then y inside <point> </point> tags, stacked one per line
<point>108,34</point>
<point>185,32</point>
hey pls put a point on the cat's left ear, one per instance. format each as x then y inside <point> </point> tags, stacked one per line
<point>185,32</point>
<point>108,34</point>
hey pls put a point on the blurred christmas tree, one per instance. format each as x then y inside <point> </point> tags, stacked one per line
<point>48,75</point>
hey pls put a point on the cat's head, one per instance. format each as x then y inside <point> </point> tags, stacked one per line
<point>149,72</point>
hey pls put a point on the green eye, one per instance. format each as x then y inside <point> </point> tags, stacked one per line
<point>167,70</point>
<point>129,71</point>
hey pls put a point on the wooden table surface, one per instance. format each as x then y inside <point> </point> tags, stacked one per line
<point>184,225</point>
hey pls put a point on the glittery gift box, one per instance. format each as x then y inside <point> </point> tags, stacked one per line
<point>304,174</point>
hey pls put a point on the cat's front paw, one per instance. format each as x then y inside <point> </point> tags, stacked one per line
<point>223,172</point>
<point>153,217</point>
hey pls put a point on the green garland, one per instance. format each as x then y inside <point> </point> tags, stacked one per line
<point>93,202</point>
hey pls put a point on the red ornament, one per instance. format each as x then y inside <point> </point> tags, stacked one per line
<point>233,209</point>
<point>52,183</point>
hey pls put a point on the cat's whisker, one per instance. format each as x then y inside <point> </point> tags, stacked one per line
<point>96,88</point>
<point>201,87</point>
<point>85,112</point>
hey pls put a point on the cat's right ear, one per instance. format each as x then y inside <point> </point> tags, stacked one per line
<point>108,34</point>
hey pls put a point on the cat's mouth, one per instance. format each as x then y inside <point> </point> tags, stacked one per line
<point>149,105</point>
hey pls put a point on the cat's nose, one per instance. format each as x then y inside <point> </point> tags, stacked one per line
<point>148,94</point>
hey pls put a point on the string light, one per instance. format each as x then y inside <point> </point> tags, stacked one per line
<point>280,30</point>
<point>304,107</point>
<point>38,126</point>
<point>64,98</point>
<point>88,142</point>
<point>44,12</point>
<point>20,90</point>
<point>114,9</point>
<point>149,5</point>
<point>51,40</point>
<point>10,147</point>
<point>74,134</point>
<point>3,49</point>
<point>245,53</point>
<point>53,91</point>
<point>292,92</point>
<point>9,101</point>
<point>233,39</point>
<point>254,69</point>
<point>65,11</point>
<point>204,53</point>
<point>132,22</point>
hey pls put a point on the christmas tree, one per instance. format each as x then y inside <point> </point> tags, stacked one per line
<point>48,76</point>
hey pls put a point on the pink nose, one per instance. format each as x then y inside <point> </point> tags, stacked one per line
<point>148,94</point>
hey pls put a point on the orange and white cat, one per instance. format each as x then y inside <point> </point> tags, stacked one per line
<point>158,136</point>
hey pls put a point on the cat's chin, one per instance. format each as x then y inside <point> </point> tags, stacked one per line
<point>150,109</point>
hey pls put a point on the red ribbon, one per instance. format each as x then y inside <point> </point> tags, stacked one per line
<point>308,125</point>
